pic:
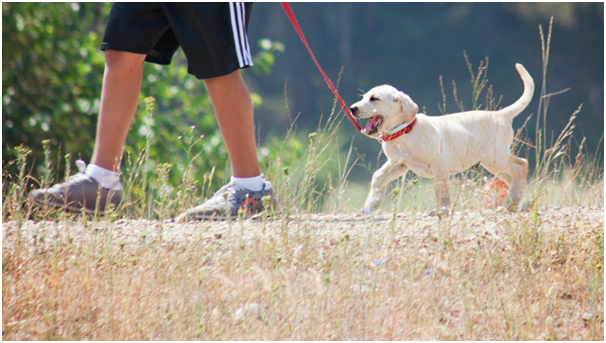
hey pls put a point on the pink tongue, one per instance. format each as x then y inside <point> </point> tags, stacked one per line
<point>370,124</point>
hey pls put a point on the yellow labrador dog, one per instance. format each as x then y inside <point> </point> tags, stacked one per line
<point>436,147</point>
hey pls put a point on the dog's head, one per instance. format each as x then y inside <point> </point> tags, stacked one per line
<point>385,107</point>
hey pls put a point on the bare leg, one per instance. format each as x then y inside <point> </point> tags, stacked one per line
<point>234,110</point>
<point>119,98</point>
<point>120,95</point>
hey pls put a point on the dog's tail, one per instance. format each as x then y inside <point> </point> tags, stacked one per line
<point>517,107</point>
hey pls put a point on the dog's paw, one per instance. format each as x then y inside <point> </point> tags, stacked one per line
<point>370,205</point>
<point>510,206</point>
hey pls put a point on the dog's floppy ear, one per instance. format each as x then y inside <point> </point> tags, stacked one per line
<point>408,107</point>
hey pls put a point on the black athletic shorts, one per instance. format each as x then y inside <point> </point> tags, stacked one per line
<point>211,34</point>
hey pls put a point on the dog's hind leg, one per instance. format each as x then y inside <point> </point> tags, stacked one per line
<point>515,178</point>
<point>510,169</point>
<point>388,172</point>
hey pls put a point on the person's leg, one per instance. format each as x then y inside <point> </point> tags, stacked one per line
<point>248,193</point>
<point>119,98</point>
<point>234,111</point>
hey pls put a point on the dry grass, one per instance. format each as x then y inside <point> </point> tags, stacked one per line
<point>476,275</point>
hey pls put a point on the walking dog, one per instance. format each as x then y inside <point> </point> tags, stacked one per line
<point>435,147</point>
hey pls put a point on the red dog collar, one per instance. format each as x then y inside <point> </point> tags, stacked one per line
<point>405,129</point>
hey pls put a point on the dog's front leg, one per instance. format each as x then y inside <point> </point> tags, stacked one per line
<point>440,183</point>
<point>388,172</point>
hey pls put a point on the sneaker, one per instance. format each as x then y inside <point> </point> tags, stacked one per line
<point>229,200</point>
<point>79,194</point>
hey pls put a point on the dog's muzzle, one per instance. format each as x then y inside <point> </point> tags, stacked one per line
<point>373,123</point>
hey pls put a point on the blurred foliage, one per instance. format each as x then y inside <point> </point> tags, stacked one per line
<point>51,75</point>
<point>51,85</point>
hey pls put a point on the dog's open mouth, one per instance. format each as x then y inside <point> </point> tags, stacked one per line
<point>372,126</point>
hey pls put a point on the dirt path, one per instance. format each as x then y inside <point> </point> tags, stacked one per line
<point>464,225</point>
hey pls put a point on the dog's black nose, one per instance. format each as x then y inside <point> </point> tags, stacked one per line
<point>353,109</point>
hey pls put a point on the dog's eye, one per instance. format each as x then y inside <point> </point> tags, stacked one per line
<point>373,98</point>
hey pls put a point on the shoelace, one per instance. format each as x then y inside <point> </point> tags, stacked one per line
<point>219,197</point>
<point>75,179</point>
<point>80,176</point>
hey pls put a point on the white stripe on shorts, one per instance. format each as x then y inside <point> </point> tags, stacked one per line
<point>238,14</point>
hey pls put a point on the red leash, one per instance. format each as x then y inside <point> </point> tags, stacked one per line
<point>294,22</point>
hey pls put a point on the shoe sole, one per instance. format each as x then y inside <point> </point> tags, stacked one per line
<point>220,217</point>
<point>216,217</point>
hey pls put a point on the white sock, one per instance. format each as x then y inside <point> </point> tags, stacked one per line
<point>109,179</point>
<point>255,183</point>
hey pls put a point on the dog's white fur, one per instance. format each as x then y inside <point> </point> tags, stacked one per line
<point>439,146</point>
